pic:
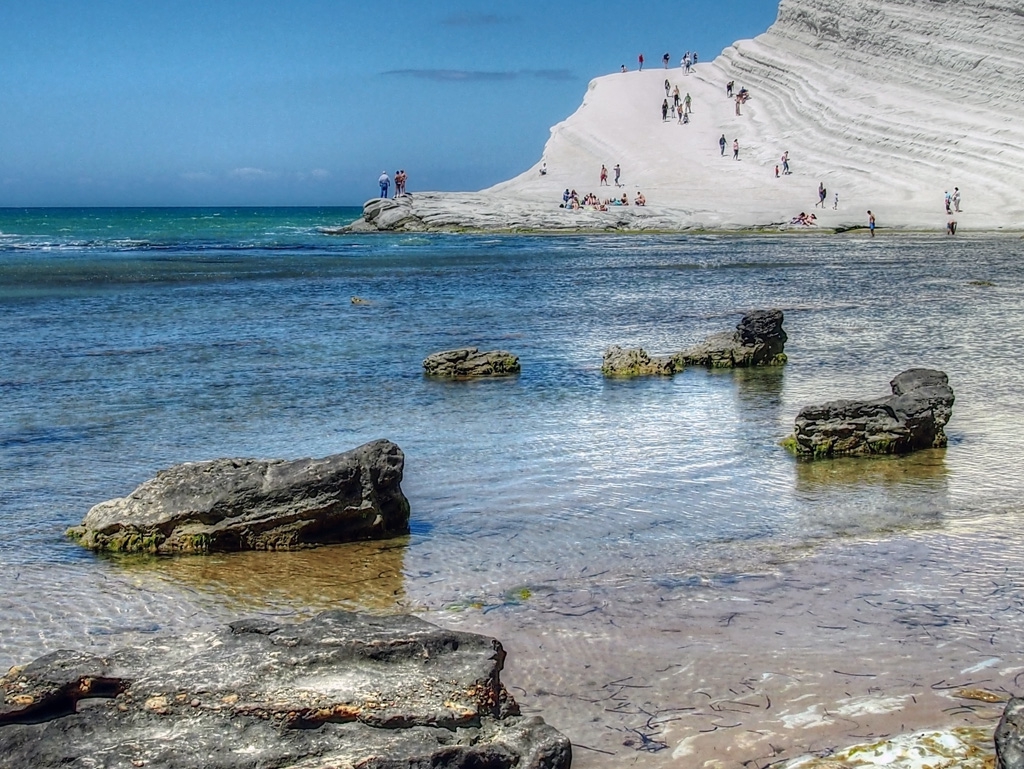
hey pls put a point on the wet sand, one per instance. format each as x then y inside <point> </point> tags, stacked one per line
<point>852,644</point>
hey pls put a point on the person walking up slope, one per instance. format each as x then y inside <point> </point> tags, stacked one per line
<point>721,145</point>
<point>735,149</point>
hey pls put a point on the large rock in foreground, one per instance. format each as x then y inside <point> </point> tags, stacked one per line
<point>912,418</point>
<point>256,504</point>
<point>339,691</point>
<point>469,362</point>
<point>1009,737</point>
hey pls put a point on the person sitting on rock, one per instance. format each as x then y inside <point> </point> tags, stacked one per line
<point>640,199</point>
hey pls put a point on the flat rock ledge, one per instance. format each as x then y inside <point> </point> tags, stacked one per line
<point>256,504</point>
<point>339,691</point>
<point>469,363</point>
<point>912,418</point>
<point>496,212</point>
<point>758,340</point>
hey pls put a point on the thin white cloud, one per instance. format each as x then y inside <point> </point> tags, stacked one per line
<point>250,174</point>
<point>320,173</point>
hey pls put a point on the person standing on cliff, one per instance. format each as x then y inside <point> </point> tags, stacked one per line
<point>664,111</point>
<point>735,149</point>
<point>604,176</point>
<point>385,182</point>
<point>821,195</point>
<point>739,100</point>
<point>617,172</point>
<point>728,88</point>
<point>871,222</point>
<point>956,201</point>
<point>686,101</point>
<point>640,59</point>
<point>665,60</point>
<point>721,145</point>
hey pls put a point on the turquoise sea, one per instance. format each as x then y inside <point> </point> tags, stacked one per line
<point>580,518</point>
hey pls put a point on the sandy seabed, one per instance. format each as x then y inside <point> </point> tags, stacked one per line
<point>851,644</point>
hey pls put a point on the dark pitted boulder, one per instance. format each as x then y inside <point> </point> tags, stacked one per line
<point>619,362</point>
<point>469,362</point>
<point>757,341</point>
<point>256,504</point>
<point>1009,736</point>
<point>340,690</point>
<point>912,418</point>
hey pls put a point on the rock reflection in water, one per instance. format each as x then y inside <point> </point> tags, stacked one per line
<point>922,467</point>
<point>364,576</point>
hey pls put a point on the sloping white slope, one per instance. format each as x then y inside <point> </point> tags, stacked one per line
<point>888,102</point>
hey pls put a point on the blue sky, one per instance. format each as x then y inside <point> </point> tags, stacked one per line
<point>304,102</point>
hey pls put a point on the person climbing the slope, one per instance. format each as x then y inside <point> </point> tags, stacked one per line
<point>735,149</point>
<point>721,145</point>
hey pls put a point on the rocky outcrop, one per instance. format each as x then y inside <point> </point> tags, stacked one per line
<point>630,362</point>
<point>487,212</point>
<point>912,418</point>
<point>469,362</point>
<point>757,341</point>
<point>340,690</point>
<point>256,504</point>
<point>1009,736</point>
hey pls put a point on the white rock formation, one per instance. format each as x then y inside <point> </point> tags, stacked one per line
<point>890,103</point>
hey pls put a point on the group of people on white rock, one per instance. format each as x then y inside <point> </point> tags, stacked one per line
<point>571,200</point>
<point>687,63</point>
<point>680,107</point>
<point>385,183</point>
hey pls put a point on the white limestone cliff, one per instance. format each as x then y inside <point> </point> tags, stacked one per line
<point>890,103</point>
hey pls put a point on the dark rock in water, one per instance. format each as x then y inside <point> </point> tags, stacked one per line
<point>912,418</point>
<point>757,341</point>
<point>468,362</point>
<point>256,504</point>
<point>1010,736</point>
<point>340,690</point>
<point>619,362</point>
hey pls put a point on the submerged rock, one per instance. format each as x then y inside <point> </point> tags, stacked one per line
<point>630,362</point>
<point>468,362</point>
<point>912,418</point>
<point>339,690</point>
<point>256,504</point>
<point>758,340</point>
<point>1009,736</point>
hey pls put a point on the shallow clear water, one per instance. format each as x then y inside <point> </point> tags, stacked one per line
<point>130,341</point>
